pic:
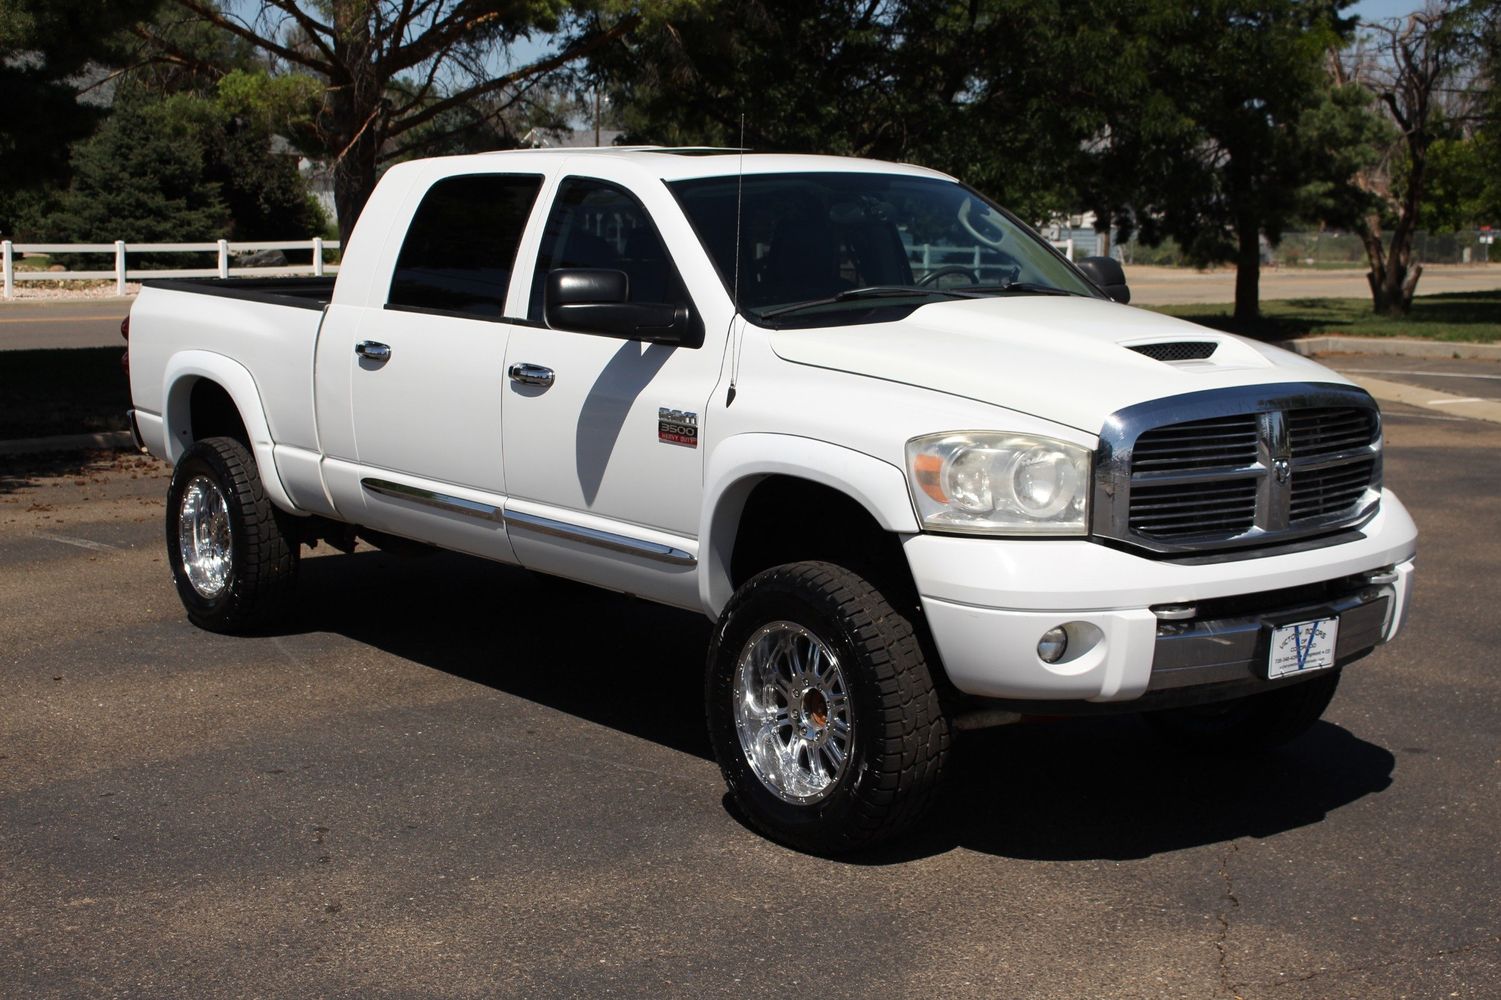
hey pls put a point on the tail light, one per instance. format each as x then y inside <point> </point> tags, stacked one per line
<point>125,333</point>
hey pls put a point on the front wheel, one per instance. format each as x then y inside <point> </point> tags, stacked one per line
<point>234,558</point>
<point>1251,724</point>
<point>822,711</point>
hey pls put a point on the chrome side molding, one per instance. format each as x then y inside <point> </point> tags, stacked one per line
<point>542,525</point>
<point>441,501</point>
<point>602,539</point>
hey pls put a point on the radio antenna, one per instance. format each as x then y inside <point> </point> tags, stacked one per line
<point>735,320</point>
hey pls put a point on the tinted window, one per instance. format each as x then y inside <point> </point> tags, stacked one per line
<point>806,237</point>
<point>597,225</point>
<point>458,254</point>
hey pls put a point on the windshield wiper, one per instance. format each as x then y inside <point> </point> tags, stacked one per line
<point>1022,288</point>
<point>868,292</point>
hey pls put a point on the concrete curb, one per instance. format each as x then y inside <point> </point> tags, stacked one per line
<point>1392,347</point>
<point>110,441</point>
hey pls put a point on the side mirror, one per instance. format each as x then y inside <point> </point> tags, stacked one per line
<point>591,300</point>
<point>1106,272</point>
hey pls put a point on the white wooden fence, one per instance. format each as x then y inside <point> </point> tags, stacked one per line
<point>121,273</point>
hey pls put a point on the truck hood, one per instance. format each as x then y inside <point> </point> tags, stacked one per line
<point>1070,360</point>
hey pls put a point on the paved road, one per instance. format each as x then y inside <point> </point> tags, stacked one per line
<point>32,324</point>
<point>452,779</point>
<point>1464,378</point>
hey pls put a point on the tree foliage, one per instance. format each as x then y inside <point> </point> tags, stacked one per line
<point>394,73</point>
<point>182,169</point>
<point>1183,121</point>
<point>1000,92</point>
<point>1232,134</point>
<point>1411,67</point>
<point>47,48</point>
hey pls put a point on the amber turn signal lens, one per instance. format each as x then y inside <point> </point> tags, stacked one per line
<point>926,468</point>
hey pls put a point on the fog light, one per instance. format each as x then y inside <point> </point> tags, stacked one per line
<point>1052,645</point>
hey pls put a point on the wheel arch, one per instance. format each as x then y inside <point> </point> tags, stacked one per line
<point>752,481</point>
<point>208,395</point>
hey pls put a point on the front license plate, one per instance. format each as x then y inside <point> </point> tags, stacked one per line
<point>1301,647</point>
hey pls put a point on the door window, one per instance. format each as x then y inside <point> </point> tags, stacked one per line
<point>461,247</point>
<point>598,225</point>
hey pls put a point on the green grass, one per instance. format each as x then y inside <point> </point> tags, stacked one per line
<point>1471,317</point>
<point>75,391</point>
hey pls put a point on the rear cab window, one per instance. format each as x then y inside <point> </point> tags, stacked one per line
<point>460,249</point>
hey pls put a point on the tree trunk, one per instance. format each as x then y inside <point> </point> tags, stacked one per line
<point>354,179</point>
<point>1370,235</point>
<point>1248,271</point>
<point>357,113</point>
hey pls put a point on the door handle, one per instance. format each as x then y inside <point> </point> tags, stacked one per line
<point>525,374</point>
<point>372,351</point>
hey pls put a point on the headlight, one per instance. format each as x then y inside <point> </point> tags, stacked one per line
<point>987,482</point>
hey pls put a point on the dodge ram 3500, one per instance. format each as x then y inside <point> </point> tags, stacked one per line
<point>923,472</point>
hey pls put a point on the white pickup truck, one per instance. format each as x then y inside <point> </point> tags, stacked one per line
<point>924,473</point>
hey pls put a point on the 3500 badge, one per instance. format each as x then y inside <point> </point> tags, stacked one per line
<point>677,427</point>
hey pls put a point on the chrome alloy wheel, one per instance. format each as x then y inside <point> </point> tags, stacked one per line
<point>204,537</point>
<point>792,712</point>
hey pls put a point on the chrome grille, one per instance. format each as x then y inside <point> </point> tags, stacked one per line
<point>1173,512</point>
<point>1326,430</point>
<point>1201,444</point>
<point>1318,493</point>
<point>1249,467</point>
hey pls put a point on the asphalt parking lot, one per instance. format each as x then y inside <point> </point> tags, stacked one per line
<point>446,778</point>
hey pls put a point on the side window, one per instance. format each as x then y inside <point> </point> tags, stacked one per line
<point>461,247</point>
<point>596,224</point>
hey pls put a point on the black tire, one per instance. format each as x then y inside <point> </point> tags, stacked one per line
<point>262,551</point>
<point>1252,724</point>
<point>900,738</point>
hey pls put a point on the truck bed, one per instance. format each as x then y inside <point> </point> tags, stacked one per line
<point>302,293</point>
<point>264,329</point>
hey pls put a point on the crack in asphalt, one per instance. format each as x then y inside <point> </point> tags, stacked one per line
<point>1221,943</point>
<point>1386,963</point>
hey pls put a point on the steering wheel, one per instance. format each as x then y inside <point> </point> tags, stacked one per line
<point>982,229</point>
<point>931,278</point>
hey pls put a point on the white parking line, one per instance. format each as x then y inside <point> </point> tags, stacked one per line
<point>82,543</point>
<point>1403,371</point>
<point>1451,402</point>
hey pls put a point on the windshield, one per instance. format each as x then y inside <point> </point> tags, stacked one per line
<point>853,247</point>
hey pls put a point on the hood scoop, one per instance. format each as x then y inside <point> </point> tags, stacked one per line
<point>1177,350</point>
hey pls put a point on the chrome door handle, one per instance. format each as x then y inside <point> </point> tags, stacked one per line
<point>531,374</point>
<point>371,350</point>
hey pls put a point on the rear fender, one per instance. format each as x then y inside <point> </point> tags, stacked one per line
<point>184,369</point>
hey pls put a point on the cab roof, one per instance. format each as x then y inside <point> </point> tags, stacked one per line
<point>672,163</point>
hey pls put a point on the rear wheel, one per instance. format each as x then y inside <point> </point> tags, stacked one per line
<point>822,710</point>
<point>234,558</point>
<point>1251,724</point>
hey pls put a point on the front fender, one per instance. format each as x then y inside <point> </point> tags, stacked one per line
<point>187,367</point>
<point>738,463</point>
